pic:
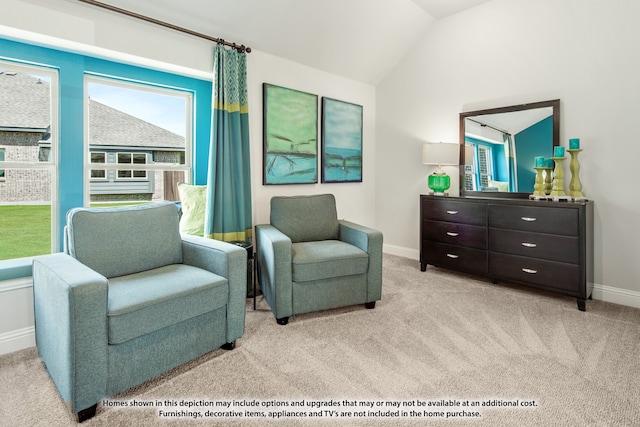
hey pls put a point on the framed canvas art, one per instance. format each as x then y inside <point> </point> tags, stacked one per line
<point>290,152</point>
<point>341,141</point>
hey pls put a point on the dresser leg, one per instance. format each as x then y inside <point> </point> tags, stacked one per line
<point>423,266</point>
<point>582,304</point>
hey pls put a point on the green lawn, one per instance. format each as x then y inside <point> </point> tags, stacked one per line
<point>25,230</point>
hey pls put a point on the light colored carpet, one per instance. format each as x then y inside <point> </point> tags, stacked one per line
<point>435,336</point>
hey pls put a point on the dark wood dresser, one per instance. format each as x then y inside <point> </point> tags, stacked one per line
<point>544,244</point>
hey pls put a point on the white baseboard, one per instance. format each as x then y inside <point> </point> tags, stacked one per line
<point>600,292</point>
<point>17,340</point>
<point>401,251</point>
<point>616,295</point>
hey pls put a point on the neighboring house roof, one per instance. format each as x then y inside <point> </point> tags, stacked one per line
<point>24,101</point>
<point>113,128</point>
<point>24,104</point>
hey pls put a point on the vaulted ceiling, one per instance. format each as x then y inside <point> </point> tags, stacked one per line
<point>358,39</point>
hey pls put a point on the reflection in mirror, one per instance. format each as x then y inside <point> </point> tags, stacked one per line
<point>500,146</point>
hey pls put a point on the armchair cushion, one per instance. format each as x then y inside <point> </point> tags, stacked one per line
<point>144,302</point>
<point>102,238</point>
<point>326,259</point>
<point>306,218</point>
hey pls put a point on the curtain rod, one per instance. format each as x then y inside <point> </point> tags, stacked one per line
<point>485,125</point>
<point>239,48</point>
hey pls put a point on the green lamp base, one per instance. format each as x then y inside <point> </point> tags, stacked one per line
<point>439,183</point>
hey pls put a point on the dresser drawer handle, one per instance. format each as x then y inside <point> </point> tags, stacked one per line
<point>452,256</point>
<point>529,270</point>
<point>529,245</point>
<point>528,218</point>
<point>452,234</point>
<point>452,212</point>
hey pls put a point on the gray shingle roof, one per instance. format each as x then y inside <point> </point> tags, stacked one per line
<point>24,103</point>
<point>111,127</point>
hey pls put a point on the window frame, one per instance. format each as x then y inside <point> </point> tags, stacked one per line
<point>72,62</point>
<point>122,81</point>
<point>51,165</point>
<point>103,170</point>
<point>2,158</point>
<point>488,159</point>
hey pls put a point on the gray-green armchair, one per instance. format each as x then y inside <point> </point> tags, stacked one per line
<point>130,299</point>
<point>308,260</point>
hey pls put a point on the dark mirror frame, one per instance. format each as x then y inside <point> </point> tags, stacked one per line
<point>555,104</point>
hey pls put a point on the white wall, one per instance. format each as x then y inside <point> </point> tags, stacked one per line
<point>355,201</point>
<point>77,26</point>
<point>507,52</point>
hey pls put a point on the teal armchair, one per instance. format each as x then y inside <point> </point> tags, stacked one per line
<point>132,298</point>
<point>309,260</point>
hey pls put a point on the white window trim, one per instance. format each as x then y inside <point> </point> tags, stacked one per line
<point>52,166</point>
<point>136,85</point>
<point>132,167</point>
<point>2,177</point>
<point>98,178</point>
<point>489,161</point>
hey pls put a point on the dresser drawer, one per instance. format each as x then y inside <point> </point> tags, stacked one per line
<point>550,274</point>
<point>455,234</point>
<point>455,211</point>
<point>546,219</point>
<point>454,257</point>
<point>536,245</point>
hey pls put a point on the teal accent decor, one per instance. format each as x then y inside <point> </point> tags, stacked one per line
<point>290,136</point>
<point>439,183</point>
<point>341,141</point>
<point>228,210</point>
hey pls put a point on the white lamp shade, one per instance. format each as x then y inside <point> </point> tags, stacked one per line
<point>440,153</point>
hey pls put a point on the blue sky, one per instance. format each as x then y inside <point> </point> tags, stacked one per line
<point>165,111</point>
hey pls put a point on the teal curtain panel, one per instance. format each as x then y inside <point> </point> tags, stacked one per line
<point>228,202</point>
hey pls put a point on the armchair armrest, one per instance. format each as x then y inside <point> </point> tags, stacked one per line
<point>70,304</point>
<point>226,260</point>
<point>370,241</point>
<point>273,249</point>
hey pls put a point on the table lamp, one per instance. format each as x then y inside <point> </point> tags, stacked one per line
<point>441,154</point>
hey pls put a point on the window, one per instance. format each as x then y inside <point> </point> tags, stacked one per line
<point>485,166</point>
<point>1,160</point>
<point>101,158</point>
<point>139,140</point>
<point>28,176</point>
<point>132,159</point>
<point>54,175</point>
<point>470,178</point>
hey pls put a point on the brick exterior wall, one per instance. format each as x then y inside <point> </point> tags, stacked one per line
<point>34,186</point>
<point>31,186</point>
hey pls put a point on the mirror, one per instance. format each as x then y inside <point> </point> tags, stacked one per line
<point>499,146</point>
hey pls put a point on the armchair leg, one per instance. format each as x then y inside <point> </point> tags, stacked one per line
<point>282,321</point>
<point>85,414</point>
<point>370,305</point>
<point>228,346</point>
